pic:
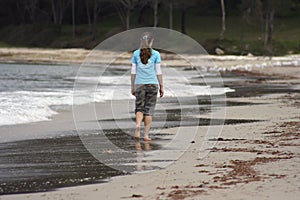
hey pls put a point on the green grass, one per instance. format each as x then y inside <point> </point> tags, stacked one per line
<point>4,44</point>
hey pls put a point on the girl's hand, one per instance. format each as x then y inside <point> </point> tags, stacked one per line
<point>133,91</point>
<point>161,92</point>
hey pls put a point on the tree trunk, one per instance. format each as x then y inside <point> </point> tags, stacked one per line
<point>61,11</point>
<point>221,37</point>
<point>73,18</point>
<point>242,35</point>
<point>95,17</point>
<point>31,10</point>
<point>170,14</point>
<point>58,11</point>
<point>266,29</point>
<point>128,5</point>
<point>88,15</point>
<point>258,10</point>
<point>121,13</point>
<point>128,19</point>
<point>271,27</point>
<point>245,23</point>
<point>183,19</point>
<point>155,13</point>
<point>54,12</point>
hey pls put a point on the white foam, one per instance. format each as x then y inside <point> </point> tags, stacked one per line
<point>32,106</point>
<point>261,63</point>
<point>22,107</point>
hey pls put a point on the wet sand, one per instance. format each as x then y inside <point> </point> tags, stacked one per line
<point>44,162</point>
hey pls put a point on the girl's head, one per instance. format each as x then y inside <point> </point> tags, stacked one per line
<point>145,47</point>
<point>146,40</point>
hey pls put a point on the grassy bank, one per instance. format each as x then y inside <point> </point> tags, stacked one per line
<point>240,38</point>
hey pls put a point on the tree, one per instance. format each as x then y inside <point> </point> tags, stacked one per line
<point>31,6</point>
<point>265,11</point>
<point>143,7</point>
<point>221,37</point>
<point>73,19</point>
<point>183,18</point>
<point>88,14</point>
<point>154,4</point>
<point>247,8</point>
<point>155,8</point>
<point>93,8</point>
<point>170,6</point>
<point>58,8</point>
<point>269,9</point>
<point>184,5</point>
<point>268,15</point>
<point>127,5</point>
<point>27,10</point>
<point>170,14</point>
<point>96,11</point>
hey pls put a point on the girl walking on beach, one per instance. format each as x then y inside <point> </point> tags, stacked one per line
<point>146,80</point>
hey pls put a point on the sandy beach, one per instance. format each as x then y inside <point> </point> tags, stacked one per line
<point>257,160</point>
<point>78,56</point>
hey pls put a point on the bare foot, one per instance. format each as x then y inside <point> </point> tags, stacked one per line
<point>147,139</point>
<point>137,133</point>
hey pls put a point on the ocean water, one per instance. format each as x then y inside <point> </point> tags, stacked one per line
<point>32,93</point>
<point>27,92</point>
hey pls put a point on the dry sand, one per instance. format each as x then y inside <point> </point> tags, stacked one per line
<point>249,161</point>
<point>78,56</point>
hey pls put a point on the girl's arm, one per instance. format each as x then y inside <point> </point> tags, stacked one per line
<point>160,79</point>
<point>133,74</point>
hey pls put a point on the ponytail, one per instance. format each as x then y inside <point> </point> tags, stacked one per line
<point>145,54</point>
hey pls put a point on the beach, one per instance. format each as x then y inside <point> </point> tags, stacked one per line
<point>255,156</point>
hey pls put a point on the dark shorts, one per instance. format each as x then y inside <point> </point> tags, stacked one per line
<point>146,96</point>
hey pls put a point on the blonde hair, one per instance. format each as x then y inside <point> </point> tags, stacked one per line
<point>145,47</point>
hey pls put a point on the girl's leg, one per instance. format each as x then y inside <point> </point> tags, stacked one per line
<point>150,101</point>
<point>147,123</point>
<point>139,107</point>
<point>139,119</point>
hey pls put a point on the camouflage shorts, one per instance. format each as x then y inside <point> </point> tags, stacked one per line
<point>146,96</point>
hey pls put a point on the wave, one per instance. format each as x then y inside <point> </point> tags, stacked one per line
<point>21,106</point>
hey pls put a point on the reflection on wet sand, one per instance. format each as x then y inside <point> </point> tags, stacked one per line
<point>142,164</point>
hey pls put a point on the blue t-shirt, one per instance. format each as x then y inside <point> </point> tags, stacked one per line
<point>146,73</point>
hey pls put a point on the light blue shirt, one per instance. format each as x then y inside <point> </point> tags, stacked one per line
<point>146,73</point>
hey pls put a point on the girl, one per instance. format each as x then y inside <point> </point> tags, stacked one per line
<point>146,79</point>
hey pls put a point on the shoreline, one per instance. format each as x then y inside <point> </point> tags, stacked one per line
<point>249,157</point>
<point>243,157</point>
<point>209,62</point>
